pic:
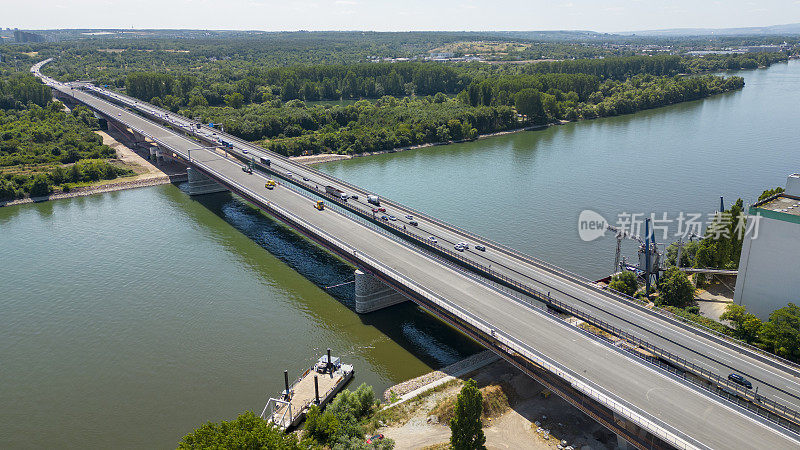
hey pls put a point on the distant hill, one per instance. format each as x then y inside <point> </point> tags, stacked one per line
<point>772,30</point>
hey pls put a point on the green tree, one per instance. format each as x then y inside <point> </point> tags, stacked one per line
<point>687,254</point>
<point>7,190</point>
<point>769,193</point>
<point>322,427</point>
<point>746,325</point>
<point>248,431</point>
<point>41,186</point>
<point>624,282</point>
<point>466,426</point>
<point>782,332</point>
<point>235,100</point>
<point>529,103</point>
<point>675,288</point>
<point>197,100</point>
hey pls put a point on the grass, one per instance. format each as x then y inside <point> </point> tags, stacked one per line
<point>398,414</point>
<point>495,403</point>
<point>439,446</point>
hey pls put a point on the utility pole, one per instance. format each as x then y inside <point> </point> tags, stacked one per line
<point>647,257</point>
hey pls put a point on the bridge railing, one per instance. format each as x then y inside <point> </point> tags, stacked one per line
<point>631,301</point>
<point>666,433</point>
<point>505,278</point>
<point>541,263</point>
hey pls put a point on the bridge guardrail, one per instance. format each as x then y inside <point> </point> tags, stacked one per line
<point>778,408</point>
<point>452,253</point>
<point>592,391</point>
<point>666,433</point>
<point>787,413</point>
<point>714,335</point>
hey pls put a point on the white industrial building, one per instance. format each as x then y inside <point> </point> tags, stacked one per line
<point>769,269</point>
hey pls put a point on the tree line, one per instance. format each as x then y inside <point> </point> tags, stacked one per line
<point>490,105</point>
<point>18,90</point>
<point>230,86</point>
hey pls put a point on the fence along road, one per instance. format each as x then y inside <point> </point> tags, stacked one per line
<point>776,379</point>
<point>670,403</point>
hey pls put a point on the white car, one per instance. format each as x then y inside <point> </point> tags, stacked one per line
<point>432,239</point>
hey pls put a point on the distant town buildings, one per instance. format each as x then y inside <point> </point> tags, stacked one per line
<point>25,36</point>
<point>769,268</point>
<point>744,49</point>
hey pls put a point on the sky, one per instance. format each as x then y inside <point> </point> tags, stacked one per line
<point>397,15</point>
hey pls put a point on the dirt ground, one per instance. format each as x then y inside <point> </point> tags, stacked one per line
<point>137,159</point>
<point>514,429</point>
<point>716,297</point>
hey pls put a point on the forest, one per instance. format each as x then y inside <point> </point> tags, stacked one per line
<point>242,84</point>
<point>43,147</point>
<point>491,105</point>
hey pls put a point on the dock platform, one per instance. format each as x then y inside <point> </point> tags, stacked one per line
<point>290,407</point>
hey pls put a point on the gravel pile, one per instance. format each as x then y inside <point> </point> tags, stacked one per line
<point>422,380</point>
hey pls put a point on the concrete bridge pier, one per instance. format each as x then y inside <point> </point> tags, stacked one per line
<point>200,184</point>
<point>372,294</point>
<point>138,137</point>
<point>623,422</point>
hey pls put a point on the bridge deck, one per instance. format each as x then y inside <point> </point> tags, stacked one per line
<point>673,403</point>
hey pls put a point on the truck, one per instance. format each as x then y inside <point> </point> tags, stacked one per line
<point>265,161</point>
<point>336,192</point>
<point>374,199</point>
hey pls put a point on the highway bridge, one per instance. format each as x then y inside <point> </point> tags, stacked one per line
<point>501,298</point>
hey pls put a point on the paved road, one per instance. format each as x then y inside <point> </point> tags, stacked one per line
<point>773,380</point>
<point>705,418</point>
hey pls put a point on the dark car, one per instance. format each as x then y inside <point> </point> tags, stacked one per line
<point>738,379</point>
<point>413,223</point>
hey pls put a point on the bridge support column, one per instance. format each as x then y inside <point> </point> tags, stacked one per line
<point>372,294</point>
<point>201,184</point>
<point>622,422</point>
<point>138,137</point>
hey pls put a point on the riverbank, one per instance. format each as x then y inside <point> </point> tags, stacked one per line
<point>524,415</point>
<point>147,174</point>
<point>321,158</point>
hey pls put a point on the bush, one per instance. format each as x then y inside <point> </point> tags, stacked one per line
<point>341,422</point>
<point>247,431</point>
<point>7,190</point>
<point>625,283</point>
<point>675,288</point>
<point>41,186</point>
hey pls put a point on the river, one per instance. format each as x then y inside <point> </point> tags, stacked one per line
<point>527,189</point>
<point>128,318</point>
